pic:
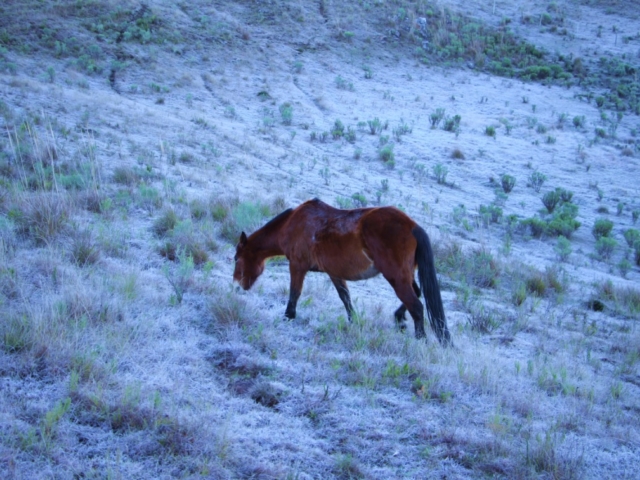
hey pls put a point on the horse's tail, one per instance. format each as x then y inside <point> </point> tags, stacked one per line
<point>429,286</point>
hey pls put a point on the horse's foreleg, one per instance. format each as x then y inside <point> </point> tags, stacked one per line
<point>343,292</point>
<point>295,289</point>
<point>399,314</point>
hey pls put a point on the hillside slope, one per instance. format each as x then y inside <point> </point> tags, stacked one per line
<point>139,139</point>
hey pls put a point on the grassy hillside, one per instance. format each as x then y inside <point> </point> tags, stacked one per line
<point>139,139</point>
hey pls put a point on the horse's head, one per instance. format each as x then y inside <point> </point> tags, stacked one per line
<point>248,265</point>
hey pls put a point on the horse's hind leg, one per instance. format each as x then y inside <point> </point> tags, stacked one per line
<point>401,319</point>
<point>411,302</point>
<point>343,292</point>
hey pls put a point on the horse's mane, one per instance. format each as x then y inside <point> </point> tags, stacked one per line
<point>276,219</point>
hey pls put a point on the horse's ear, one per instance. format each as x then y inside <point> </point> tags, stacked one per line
<point>243,239</point>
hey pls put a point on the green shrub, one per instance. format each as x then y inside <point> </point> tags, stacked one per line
<point>632,236</point>
<point>440,171</point>
<point>536,180</point>
<point>602,228</point>
<point>386,154</point>
<point>452,124</point>
<point>337,131</point>
<point>564,221</point>
<point>436,117</point>
<point>165,222</point>
<point>508,182</point>
<point>536,226</point>
<point>286,112</point>
<point>490,214</point>
<point>550,200</point>
<point>490,131</point>
<point>563,248</point>
<point>605,246</point>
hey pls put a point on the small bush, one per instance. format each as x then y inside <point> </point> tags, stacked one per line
<point>375,126</point>
<point>165,223</point>
<point>550,200</point>
<point>286,112</point>
<point>564,221</point>
<point>84,250</point>
<point>337,131</point>
<point>605,247</point>
<point>490,131</point>
<point>508,182</point>
<point>386,154</point>
<point>490,213</point>
<point>42,215</point>
<point>440,171</point>
<point>536,180</point>
<point>563,248</point>
<point>631,236</point>
<point>537,226</point>
<point>602,228</point>
<point>436,117</point>
<point>452,124</point>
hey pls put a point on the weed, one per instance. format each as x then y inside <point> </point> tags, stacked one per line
<point>342,84</point>
<point>490,131</point>
<point>337,131</point>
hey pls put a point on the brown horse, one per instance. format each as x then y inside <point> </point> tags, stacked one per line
<point>349,245</point>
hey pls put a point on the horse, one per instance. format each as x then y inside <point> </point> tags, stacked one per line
<point>349,245</point>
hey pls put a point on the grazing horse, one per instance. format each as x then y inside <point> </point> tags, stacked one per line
<point>349,245</point>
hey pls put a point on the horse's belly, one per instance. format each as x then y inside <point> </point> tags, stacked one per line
<point>372,271</point>
<point>351,265</point>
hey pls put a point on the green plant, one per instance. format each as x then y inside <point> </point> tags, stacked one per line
<point>601,228</point>
<point>508,182</point>
<point>436,117</point>
<point>490,214</point>
<point>84,249</point>
<point>386,154</point>
<point>286,112</point>
<point>180,277</point>
<point>551,199</point>
<point>563,248</point>
<point>337,131</point>
<point>578,121</point>
<point>631,235</point>
<point>452,124</point>
<point>342,84</point>
<point>605,247</point>
<point>536,180</point>
<point>165,222</point>
<point>375,126</point>
<point>490,131</point>
<point>440,171</point>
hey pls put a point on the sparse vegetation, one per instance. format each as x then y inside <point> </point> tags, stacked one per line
<point>139,140</point>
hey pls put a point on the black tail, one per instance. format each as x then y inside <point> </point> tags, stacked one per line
<point>430,287</point>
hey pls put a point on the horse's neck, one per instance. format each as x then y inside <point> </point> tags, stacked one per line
<point>266,242</point>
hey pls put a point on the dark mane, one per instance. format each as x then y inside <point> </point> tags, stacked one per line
<point>277,218</point>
